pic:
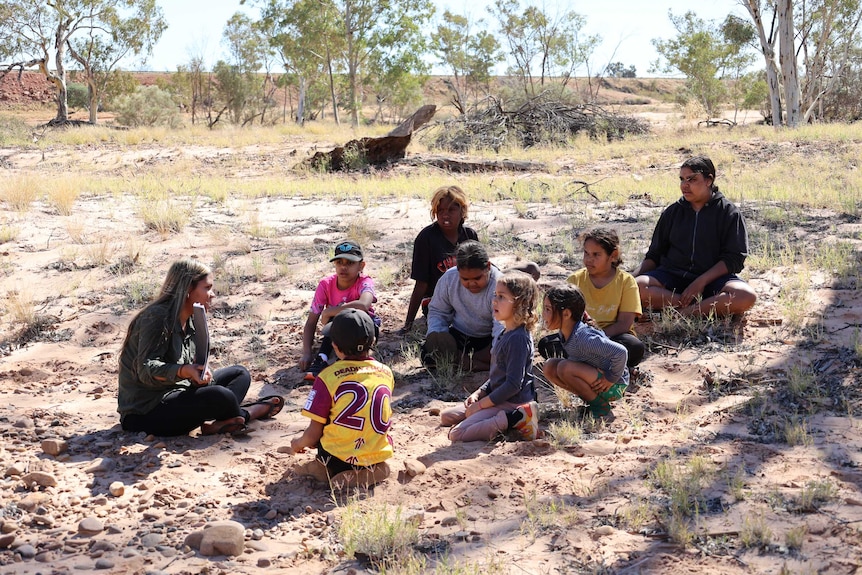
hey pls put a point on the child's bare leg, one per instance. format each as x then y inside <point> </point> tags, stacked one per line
<point>576,377</point>
<point>453,415</point>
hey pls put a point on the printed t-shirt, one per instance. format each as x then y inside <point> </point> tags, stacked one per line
<point>605,303</point>
<point>353,401</point>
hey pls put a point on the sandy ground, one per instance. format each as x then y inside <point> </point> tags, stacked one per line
<point>717,399</point>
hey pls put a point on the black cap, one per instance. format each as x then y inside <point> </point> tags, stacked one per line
<point>347,249</point>
<point>352,330</point>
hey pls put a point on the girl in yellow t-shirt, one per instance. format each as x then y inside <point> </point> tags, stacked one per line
<point>613,300</point>
<point>612,296</point>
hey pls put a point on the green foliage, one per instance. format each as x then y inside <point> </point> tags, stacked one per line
<point>117,83</point>
<point>555,41</point>
<point>706,54</point>
<point>77,96</point>
<point>148,106</point>
<point>468,53</point>
<point>618,70</point>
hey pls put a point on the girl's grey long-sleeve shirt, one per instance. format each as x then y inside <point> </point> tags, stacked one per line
<point>452,305</point>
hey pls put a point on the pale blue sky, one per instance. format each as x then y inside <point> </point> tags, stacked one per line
<point>627,26</point>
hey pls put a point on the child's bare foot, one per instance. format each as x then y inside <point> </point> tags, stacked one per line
<point>314,468</point>
<point>232,426</point>
<point>366,477</point>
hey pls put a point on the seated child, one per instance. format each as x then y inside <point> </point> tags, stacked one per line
<point>461,323</point>
<point>350,409</point>
<point>348,287</point>
<point>595,367</point>
<point>612,296</point>
<point>434,247</point>
<point>507,400</point>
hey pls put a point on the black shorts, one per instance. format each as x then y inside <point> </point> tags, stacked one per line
<point>678,281</point>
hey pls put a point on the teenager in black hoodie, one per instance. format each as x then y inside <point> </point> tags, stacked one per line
<point>698,246</point>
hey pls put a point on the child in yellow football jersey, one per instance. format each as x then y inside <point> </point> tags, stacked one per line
<point>350,408</point>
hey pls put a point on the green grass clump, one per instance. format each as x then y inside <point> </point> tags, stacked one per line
<point>755,532</point>
<point>376,530</point>
<point>8,233</point>
<point>815,494</point>
<point>683,485</point>
<point>548,513</point>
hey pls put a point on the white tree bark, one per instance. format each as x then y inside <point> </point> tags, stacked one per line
<point>787,57</point>
<point>767,48</point>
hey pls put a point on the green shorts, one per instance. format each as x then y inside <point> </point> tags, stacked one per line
<point>615,392</point>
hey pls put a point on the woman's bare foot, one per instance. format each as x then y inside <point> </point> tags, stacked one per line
<point>231,425</point>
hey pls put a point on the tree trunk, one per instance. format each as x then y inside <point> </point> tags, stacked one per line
<point>767,48</point>
<point>300,104</point>
<point>332,87</point>
<point>787,56</point>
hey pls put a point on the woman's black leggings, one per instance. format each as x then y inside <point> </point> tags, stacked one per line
<point>183,410</point>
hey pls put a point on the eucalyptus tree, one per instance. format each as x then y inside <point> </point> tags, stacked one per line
<point>542,46</point>
<point>707,54</point>
<point>823,34</point>
<point>97,34</point>
<point>468,52</point>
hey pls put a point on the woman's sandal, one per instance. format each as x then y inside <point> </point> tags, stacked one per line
<point>275,403</point>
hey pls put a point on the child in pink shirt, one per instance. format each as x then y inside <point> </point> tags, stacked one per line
<point>348,287</point>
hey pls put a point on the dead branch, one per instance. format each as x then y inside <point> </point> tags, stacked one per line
<point>541,120</point>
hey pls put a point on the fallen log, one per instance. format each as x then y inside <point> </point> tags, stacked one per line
<point>464,167</point>
<point>359,154</point>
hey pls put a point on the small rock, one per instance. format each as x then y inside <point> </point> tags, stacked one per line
<point>414,467</point>
<point>223,538</point>
<point>40,478</point>
<point>102,563</point>
<point>603,531</point>
<point>8,527</point>
<point>24,423</point>
<point>101,465</point>
<point>449,521</point>
<point>26,551</point>
<point>90,526</point>
<point>263,562</point>
<point>193,539</point>
<point>271,514</point>
<point>284,449</point>
<point>33,500</point>
<point>45,557</point>
<point>14,470</point>
<point>42,520</point>
<point>257,534</point>
<point>414,516</point>
<point>117,489</point>
<point>6,540</point>
<point>256,546</point>
<point>54,446</point>
<point>152,539</point>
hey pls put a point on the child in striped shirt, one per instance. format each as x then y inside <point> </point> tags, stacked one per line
<point>595,367</point>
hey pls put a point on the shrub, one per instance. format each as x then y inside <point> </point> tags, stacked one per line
<point>148,106</point>
<point>14,131</point>
<point>78,96</point>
